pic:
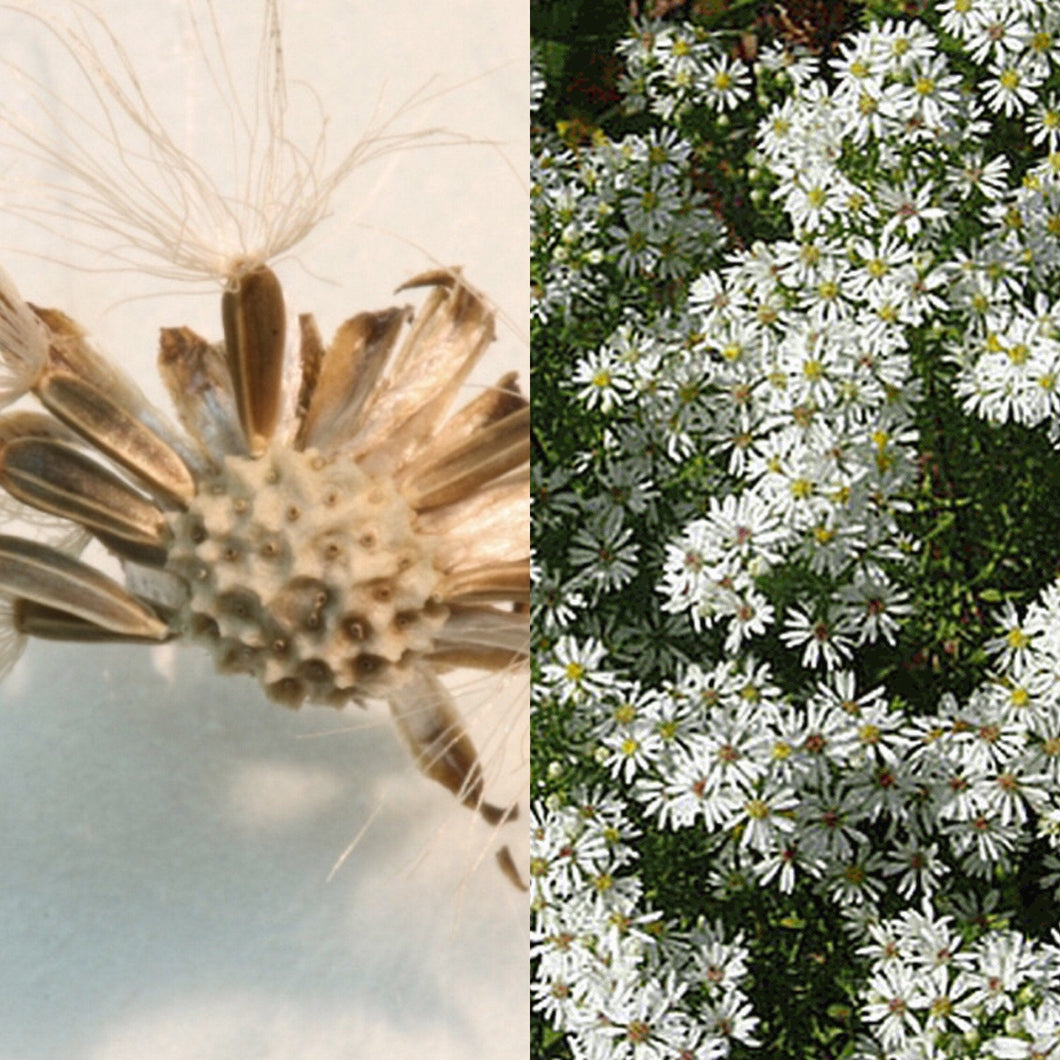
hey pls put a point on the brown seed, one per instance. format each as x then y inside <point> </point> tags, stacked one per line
<point>255,326</point>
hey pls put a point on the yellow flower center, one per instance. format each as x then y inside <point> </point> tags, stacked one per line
<point>1010,79</point>
<point>869,734</point>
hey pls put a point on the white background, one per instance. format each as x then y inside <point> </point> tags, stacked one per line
<point>166,834</point>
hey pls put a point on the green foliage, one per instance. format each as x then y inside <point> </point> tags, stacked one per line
<point>980,519</point>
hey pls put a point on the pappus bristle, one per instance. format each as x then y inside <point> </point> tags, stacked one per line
<point>160,207</point>
<point>23,343</point>
<point>11,641</point>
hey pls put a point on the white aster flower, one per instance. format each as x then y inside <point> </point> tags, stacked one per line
<point>998,32</point>
<point>856,882</point>
<point>874,607</point>
<point>811,196</point>
<point>990,179</point>
<point>605,552</point>
<point>752,614</point>
<point>934,93</point>
<point>917,866</point>
<point>734,1020</point>
<point>828,822</point>
<point>765,817</point>
<point>901,46</point>
<point>725,83</point>
<point>603,381</point>
<point>575,670</point>
<point>1011,86</point>
<point>1044,123</point>
<point>1006,960</point>
<point>822,640</point>
<point>911,208</point>
<point>893,997</point>
<point>1011,647</point>
<point>964,18</point>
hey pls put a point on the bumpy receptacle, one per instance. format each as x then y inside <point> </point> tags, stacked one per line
<point>307,573</point>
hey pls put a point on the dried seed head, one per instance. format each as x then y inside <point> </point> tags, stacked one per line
<point>360,568</point>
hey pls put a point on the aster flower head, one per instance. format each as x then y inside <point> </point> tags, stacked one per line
<point>1013,644</point>
<point>1012,86</point>
<point>725,83</point>
<point>822,637</point>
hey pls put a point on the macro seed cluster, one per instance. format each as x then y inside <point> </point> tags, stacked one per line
<point>307,573</point>
<point>336,533</point>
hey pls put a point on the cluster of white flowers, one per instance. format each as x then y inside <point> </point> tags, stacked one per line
<point>841,789</point>
<point>840,793</point>
<point>630,206</point>
<point>808,397</point>
<point>727,541</point>
<point>672,69</point>
<point>624,982</point>
<point>893,243</point>
<point>999,996</point>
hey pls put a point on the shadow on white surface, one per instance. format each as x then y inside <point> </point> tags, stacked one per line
<point>164,878</point>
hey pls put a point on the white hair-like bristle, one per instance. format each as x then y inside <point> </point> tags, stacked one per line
<point>11,641</point>
<point>23,343</point>
<point>161,209</point>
